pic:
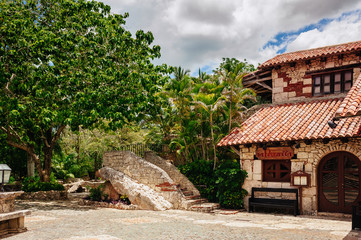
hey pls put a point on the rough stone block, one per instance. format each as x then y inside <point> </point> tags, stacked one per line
<point>257,176</point>
<point>278,83</point>
<point>296,166</point>
<point>292,94</point>
<point>307,90</point>
<point>278,89</point>
<point>308,167</point>
<point>307,204</point>
<point>257,167</point>
<point>274,184</point>
<point>307,81</point>
<point>302,155</point>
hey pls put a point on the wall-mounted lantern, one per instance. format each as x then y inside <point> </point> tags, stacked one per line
<point>300,179</point>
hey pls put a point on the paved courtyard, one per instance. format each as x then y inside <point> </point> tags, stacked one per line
<point>66,220</point>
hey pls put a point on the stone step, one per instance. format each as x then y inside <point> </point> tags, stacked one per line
<point>187,193</point>
<point>190,197</point>
<point>190,203</point>
<point>205,207</point>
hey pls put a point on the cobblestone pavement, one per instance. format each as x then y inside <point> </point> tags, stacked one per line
<point>66,220</point>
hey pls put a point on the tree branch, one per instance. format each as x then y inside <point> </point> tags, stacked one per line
<point>17,145</point>
<point>57,135</point>
<point>8,83</point>
<point>45,140</point>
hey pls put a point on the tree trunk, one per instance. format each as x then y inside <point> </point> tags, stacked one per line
<point>214,146</point>
<point>30,166</point>
<point>48,155</point>
<point>230,111</point>
<point>202,140</point>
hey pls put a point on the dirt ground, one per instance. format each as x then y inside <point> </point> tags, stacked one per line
<point>66,220</point>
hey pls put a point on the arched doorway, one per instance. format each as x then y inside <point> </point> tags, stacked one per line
<point>338,182</point>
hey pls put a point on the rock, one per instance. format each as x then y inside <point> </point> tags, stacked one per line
<point>74,188</point>
<point>109,190</point>
<point>138,194</point>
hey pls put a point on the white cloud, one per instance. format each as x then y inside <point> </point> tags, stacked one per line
<point>196,33</point>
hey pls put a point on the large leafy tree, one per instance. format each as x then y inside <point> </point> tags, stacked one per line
<point>70,62</point>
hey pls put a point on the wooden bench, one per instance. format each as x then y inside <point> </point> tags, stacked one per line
<point>273,202</point>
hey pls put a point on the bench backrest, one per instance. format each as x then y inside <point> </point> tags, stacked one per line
<point>281,190</point>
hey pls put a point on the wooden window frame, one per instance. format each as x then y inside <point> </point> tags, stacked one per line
<point>277,171</point>
<point>331,83</point>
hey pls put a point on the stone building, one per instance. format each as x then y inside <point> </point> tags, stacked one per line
<point>313,125</point>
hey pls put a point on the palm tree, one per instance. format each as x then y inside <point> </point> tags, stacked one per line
<point>211,103</point>
<point>178,92</point>
<point>231,73</point>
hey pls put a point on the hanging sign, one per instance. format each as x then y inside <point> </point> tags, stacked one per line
<point>275,153</point>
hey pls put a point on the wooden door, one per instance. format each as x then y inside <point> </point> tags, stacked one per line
<point>338,182</point>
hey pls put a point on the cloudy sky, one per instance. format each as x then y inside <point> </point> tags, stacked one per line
<point>199,33</point>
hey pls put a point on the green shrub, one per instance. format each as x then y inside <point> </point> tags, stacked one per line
<point>201,174</point>
<point>33,184</point>
<point>224,185</point>
<point>96,194</point>
<point>230,179</point>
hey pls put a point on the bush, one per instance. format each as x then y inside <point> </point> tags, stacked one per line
<point>201,174</point>
<point>230,179</point>
<point>97,194</point>
<point>224,185</point>
<point>33,184</point>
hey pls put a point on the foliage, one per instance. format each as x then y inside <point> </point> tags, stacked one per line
<point>14,157</point>
<point>96,194</point>
<point>201,174</point>
<point>70,63</point>
<point>194,113</point>
<point>230,179</point>
<point>223,185</point>
<point>67,167</point>
<point>33,184</point>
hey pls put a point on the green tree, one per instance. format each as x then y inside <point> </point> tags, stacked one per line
<point>231,72</point>
<point>211,104</point>
<point>70,62</point>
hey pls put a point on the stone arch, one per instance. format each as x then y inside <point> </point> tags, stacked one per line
<point>335,147</point>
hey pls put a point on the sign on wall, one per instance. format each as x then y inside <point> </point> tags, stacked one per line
<point>275,153</point>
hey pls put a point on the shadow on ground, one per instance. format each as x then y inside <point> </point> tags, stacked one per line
<point>51,205</point>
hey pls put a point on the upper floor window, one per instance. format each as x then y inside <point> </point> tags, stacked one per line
<point>330,83</point>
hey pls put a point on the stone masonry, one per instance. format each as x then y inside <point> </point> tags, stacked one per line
<point>148,174</point>
<point>172,171</point>
<point>308,156</point>
<point>293,83</point>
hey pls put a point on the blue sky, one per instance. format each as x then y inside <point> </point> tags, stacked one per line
<point>197,34</point>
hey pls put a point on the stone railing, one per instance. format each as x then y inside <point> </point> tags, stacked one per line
<point>11,221</point>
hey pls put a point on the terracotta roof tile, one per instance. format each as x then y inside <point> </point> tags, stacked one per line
<point>312,53</point>
<point>298,121</point>
<point>351,106</point>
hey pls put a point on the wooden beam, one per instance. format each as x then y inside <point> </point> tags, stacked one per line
<point>257,80</point>
<point>264,85</point>
<point>235,150</point>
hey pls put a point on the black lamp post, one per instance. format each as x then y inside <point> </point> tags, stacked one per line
<point>5,171</point>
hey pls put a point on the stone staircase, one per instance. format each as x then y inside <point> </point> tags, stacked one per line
<point>197,203</point>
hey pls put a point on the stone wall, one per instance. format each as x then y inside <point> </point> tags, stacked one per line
<point>45,195</point>
<point>136,168</point>
<point>308,156</point>
<point>145,173</point>
<point>172,171</point>
<point>292,83</point>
